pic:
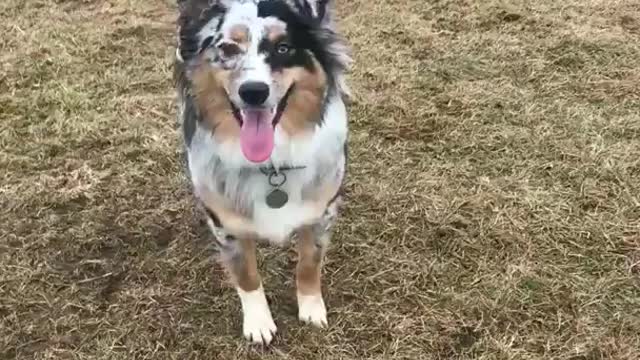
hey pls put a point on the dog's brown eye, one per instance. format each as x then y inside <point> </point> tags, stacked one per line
<point>229,50</point>
<point>283,48</point>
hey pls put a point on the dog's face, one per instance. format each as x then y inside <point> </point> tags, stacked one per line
<point>256,65</point>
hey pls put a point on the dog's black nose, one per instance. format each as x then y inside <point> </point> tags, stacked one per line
<point>254,93</point>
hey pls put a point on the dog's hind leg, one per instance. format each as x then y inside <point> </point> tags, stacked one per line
<point>312,243</point>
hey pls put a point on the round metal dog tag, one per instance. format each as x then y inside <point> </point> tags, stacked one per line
<point>277,199</point>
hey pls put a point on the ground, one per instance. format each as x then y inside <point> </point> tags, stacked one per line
<point>493,200</point>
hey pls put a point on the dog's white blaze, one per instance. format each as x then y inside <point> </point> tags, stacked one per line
<point>257,323</point>
<point>272,21</point>
<point>255,68</point>
<point>242,11</point>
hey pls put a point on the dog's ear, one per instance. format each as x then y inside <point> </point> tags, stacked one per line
<point>193,16</point>
<point>319,10</point>
<point>322,9</point>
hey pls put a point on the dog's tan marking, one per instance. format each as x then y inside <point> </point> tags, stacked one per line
<point>276,32</point>
<point>305,103</point>
<point>239,34</point>
<point>239,225</point>
<point>243,267</point>
<point>232,221</point>
<point>309,267</point>
<point>321,196</point>
<point>209,86</point>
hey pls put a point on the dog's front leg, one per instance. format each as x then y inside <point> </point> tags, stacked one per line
<point>312,243</point>
<point>239,258</point>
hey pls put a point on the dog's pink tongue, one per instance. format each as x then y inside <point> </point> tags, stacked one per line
<point>256,135</point>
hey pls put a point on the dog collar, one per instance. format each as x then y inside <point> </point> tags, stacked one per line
<point>277,197</point>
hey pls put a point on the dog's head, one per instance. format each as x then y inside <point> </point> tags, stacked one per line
<point>254,65</point>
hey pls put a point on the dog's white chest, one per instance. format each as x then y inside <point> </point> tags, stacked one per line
<point>277,224</point>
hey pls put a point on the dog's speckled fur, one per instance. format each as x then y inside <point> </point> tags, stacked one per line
<point>292,47</point>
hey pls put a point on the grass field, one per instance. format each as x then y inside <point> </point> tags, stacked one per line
<point>493,204</point>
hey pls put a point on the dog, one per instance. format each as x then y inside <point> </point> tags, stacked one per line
<point>262,96</point>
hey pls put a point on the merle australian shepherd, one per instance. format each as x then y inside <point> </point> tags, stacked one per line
<point>261,101</point>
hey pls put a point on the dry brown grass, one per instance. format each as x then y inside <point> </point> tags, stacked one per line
<point>493,208</point>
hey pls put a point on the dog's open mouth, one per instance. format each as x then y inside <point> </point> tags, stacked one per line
<point>257,128</point>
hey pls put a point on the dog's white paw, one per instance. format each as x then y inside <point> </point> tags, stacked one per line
<point>311,310</point>
<point>257,325</point>
<point>259,328</point>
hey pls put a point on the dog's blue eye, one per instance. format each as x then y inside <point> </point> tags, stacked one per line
<point>283,48</point>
